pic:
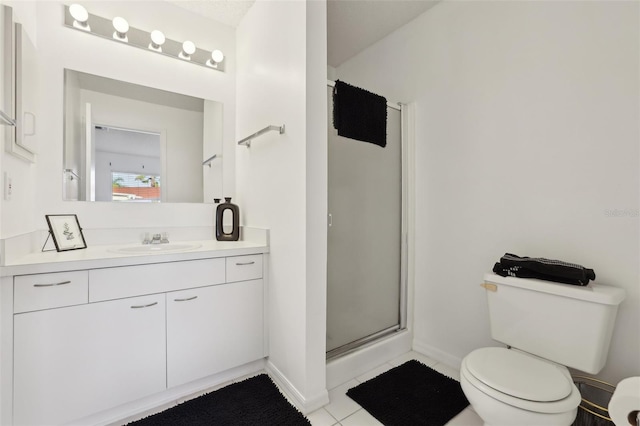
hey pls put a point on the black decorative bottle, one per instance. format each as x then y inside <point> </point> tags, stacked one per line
<point>227,206</point>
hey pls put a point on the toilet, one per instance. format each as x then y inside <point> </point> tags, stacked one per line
<point>547,327</point>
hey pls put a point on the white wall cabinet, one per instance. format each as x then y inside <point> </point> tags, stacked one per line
<point>72,362</point>
<point>139,331</point>
<point>23,90</point>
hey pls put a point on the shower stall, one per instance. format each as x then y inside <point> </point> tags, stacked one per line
<point>366,250</point>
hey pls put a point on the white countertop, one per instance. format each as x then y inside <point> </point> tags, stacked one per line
<point>105,256</point>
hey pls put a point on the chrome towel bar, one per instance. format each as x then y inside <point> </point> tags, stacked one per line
<point>247,141</point>
<point>209,160</point>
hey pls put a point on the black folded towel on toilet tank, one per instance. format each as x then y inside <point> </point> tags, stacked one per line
<point>543,269</point>
<point>359,114</point>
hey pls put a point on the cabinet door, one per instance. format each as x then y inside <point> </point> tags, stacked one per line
<point>75,361</point>
<point>211,329</point>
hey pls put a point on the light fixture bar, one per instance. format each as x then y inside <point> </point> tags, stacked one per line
<point>103,27</point>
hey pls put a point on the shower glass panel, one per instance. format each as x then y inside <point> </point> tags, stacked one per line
<point>364,237</point>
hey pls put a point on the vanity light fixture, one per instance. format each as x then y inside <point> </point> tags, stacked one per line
<point>77,17</point>
<point>216,57</point>
<point>121,27</point>
<point>80,17</point>
<point>157,40</point>
<point>188,49</point>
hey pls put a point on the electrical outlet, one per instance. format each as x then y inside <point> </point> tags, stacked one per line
<point>8,186</point>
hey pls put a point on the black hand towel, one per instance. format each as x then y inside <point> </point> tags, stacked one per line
<point>359,114</point>
<point>544,269</point>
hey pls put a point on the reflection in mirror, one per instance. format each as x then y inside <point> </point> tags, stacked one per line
<point>128,166</point>
<point>131,143</point>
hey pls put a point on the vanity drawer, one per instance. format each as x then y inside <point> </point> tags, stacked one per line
<point>46,291</point>
<point>243,268</point>
<point>129,281</point>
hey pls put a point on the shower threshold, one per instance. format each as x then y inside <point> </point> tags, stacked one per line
<point>360,343</point>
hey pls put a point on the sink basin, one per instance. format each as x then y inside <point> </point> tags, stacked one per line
<point>156,248</point>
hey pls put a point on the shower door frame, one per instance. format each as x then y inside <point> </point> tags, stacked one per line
<point>404,245</point>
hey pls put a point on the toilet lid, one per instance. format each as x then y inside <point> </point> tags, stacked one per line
<point>520,375</point>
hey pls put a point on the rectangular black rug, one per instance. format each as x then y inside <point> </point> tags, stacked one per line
<point>410,394</point>
<point>255,401</point>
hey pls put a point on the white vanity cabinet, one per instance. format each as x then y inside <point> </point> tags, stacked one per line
<point>92,340</point>
<point>72,362</point>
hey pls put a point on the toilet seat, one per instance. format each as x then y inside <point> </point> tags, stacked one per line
<point>521,380</point>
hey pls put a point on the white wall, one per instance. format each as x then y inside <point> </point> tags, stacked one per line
<point>316,200</point>
<point>61,47</point>
<point>281,79</point>
<point>526,142</point>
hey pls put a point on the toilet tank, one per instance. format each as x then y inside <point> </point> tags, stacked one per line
<point>567,324</point>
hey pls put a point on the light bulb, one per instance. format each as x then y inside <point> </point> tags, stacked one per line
<point>80,16</point>
<point>121,26</point>
<point>216,57</point>
<point>157,40</point>
<point>188,49</point>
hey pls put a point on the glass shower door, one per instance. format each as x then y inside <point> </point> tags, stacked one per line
<point>364,237</point>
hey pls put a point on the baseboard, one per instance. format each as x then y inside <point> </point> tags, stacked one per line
<point>353,364</point>
<point>295,397</point>
<point>437,354</point>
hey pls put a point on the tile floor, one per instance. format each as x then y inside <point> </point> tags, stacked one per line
<point>343,411</point>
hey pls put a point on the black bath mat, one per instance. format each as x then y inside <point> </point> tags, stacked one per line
<point>255,401</point>
<point>411,394</point>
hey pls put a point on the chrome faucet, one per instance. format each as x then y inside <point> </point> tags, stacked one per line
<point>156,239</point>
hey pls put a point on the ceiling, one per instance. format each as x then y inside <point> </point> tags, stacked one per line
<point>352,25</point>
<point>229,12</point>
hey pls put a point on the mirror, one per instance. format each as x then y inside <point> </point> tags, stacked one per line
<point>125,142</point>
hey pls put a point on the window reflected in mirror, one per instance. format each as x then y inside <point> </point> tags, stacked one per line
<point>131,187</point>
<point>128,165</point>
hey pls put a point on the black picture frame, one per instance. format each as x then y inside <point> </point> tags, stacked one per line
<point>66,232</point>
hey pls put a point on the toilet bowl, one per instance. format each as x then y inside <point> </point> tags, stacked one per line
<point>507,387</point>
